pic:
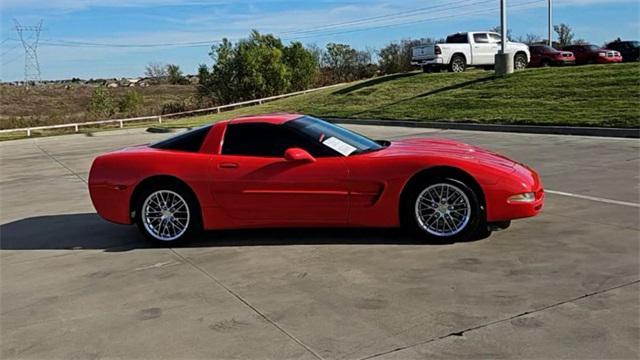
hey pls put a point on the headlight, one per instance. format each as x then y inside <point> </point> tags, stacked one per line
<point>522,198</point>
<point>603,54</point>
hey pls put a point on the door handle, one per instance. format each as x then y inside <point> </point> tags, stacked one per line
<point>228,165</point>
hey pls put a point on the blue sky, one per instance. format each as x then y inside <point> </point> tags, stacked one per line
<point>360,23</point>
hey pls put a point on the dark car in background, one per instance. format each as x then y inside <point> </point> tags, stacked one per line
<point>544,55</point>
<point>630,50</point>
<point>593,54</point>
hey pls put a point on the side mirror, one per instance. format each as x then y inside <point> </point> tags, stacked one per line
<point>297,154</point>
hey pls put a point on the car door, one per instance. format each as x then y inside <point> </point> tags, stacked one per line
<point>483,50</point>
<point>255,184</point>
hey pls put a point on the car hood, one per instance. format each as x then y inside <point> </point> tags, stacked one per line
<point>445,148</point>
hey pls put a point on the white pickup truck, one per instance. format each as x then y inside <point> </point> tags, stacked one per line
<point>467,49</point>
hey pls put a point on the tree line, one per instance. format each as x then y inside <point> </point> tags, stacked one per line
<point>261,65</point>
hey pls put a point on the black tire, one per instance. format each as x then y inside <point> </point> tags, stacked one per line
<point>427,69</point>
<point>193,221</point>
<point>545,63</point>
<point>520,62</point>
<point>475,226</point>
<point>457,64</point>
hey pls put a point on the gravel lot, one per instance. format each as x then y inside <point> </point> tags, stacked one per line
<point>562,285</point>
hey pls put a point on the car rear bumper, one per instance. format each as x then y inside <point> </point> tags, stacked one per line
<point>426,62</point>
<point>111,202</point>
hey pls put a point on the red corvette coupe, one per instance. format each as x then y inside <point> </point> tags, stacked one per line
<point>299,171</point>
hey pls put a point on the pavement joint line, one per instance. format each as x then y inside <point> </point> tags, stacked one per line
<point>462,332</point>
<point>35,142</point>
<point>582,221</point>
<point>593,198</point>
<point>246,303</point>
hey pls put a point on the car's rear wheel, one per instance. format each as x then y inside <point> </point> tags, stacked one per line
<point>520,62</point>
<point>443,210</point>
<point>458,64</point>
<point>168,213</point>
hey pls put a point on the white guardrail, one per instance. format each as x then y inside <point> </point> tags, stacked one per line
<point>159,118</point>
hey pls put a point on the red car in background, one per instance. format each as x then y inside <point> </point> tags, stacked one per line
<point>544,55</point>
<point>593,54</point>
<point>289,170</point>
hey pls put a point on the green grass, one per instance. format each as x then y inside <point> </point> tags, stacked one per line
<point>599,95</point>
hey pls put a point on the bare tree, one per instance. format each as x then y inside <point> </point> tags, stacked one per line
<point>530,39</point>
<point>156,71</point>
<point>565,34</point>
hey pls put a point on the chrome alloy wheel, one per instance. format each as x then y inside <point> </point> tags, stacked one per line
<point>520,62</point>
<point>165,215</point>
<point>458,65</point>
<point>443,210</point>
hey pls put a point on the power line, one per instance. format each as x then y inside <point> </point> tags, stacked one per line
<point>392,16</point>
<point>7,62</point>
<point>386,17</point>
<point>486,11</point>
<point>311,32</point>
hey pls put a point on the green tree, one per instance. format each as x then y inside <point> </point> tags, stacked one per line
<point>390,58</point>
<point>256,67</point>
<point>131,103</point>
<point>341,59</point>
<point>101,104</point>
<point>565,34</point>
<point>302,64</point>
<point>174,75</point>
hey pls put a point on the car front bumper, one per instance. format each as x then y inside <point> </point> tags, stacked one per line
<point>523,180</point>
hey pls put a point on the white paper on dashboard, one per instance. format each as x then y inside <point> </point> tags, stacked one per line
<point>339,146</point>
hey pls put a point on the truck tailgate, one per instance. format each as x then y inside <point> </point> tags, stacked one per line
<point>424,52</point>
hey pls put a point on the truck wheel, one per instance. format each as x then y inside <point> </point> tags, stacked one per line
<point>520,62</point>
<point>458,64</point>
<point>427,68</point>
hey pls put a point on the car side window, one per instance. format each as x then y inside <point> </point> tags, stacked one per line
<point>267,140</point>
<point>458,39</point>
<point>480,38</point>
<point>494,38</point>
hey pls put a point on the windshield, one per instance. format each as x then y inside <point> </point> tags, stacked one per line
<point>339,139</point>
<point>593,47</point>
<point>634,43</point>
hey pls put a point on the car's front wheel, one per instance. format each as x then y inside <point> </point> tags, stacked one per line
<point>444,210</point>
<point>167,213</point>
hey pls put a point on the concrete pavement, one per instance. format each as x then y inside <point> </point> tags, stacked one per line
<point>562,285</point>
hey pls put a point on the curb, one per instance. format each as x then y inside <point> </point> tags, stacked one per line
<point>527,129</point>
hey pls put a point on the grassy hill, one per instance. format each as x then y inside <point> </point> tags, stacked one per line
<point>598,95</point>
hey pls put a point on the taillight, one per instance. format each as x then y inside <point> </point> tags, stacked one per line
<point>438,50</point>
<point>603,54</point>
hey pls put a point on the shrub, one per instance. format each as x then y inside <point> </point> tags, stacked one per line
<point>131,103</point>
<point>101,104</point>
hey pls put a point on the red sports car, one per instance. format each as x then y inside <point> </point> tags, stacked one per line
<point>298,171</point>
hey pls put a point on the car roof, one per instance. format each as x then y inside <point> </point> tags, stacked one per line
<point>276,119</point>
